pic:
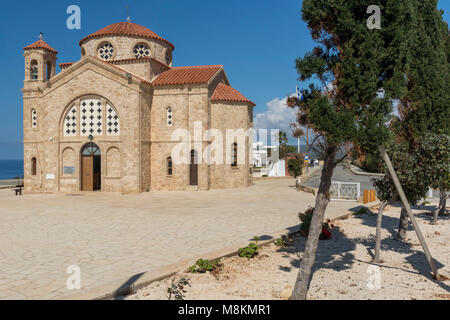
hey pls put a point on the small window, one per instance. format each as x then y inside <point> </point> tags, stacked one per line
<point>234,155</point>
<point>33,118</point>
<point>33,166</point>
<point>141,50</point>
<point>106,51</point>
<point>169,166</point>
<point>49,70</point>
<point>169,117</point>
<point>168,58</point>
<point>33,70</point>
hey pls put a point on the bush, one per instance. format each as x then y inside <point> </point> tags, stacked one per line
<point>281,242</point>
<point>295,166</point>
<point>251,250</point>
<point>306,217</point>
<point>202,266</point>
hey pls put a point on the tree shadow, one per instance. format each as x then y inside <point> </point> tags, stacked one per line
<point>126,288</point>
<point>336,253</point>
<point>416,258</point>
<point>340,246</point>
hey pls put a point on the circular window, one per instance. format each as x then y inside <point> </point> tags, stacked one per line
<point>106,51</point>
<point>141,51</point>
<point>168,58</point>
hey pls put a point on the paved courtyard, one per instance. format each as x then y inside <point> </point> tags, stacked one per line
<point>113,236</point>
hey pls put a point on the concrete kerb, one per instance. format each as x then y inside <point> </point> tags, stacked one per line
<point>356,171</point>
<point>118,289</point>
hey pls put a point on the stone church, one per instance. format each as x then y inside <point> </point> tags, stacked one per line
<point>105,122</point>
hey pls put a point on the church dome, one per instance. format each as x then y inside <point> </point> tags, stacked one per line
<point>126,29</point>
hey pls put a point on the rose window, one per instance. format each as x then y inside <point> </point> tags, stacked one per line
<point>141,51</point>
<point>106,51</point>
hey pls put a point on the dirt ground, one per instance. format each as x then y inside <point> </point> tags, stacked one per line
<point>343,266</point>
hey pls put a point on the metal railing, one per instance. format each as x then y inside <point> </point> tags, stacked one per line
<point>345,190</point>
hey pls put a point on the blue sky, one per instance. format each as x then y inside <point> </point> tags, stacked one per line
<point>256,40</point>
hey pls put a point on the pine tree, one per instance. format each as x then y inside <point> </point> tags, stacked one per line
<point>425,107</point>
<point>350,65</point>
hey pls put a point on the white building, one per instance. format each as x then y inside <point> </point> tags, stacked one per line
<point>267,158</point>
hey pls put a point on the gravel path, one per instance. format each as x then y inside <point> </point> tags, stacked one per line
<point>343,269</point>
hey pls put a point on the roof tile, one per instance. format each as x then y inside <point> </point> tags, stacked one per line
<point>224,92</point>
<point>40,44</point>
<point>187,75</point>
<point>126,29</point>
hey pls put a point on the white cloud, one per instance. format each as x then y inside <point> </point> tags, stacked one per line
<point>278,116</point>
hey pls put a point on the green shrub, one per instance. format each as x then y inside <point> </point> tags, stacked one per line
<point>177,289</point>
<point>250,251</point>
<point>202,266</point>
<point>280,242</point>
<point>295,166</point>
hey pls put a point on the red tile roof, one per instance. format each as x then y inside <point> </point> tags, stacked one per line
<point>126,29</point>
<point>40,44</point>
<point>227,93</point>
<point>186,75</point>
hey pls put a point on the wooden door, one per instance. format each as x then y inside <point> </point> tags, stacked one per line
<point>87,177</point>
<point>193,169</point>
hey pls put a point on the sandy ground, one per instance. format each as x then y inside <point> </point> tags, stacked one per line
<point>343,266</point>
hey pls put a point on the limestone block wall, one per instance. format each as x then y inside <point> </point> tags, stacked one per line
<point>47,143</point>
<point>232,115</point>
<point>189,105</point>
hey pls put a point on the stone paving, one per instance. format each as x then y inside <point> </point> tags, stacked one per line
<point>114,236</point>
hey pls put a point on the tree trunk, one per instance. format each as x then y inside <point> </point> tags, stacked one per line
<point>402,225</point>
<point>323,198</point>
<point>442,206</point>
<point>377,255</point>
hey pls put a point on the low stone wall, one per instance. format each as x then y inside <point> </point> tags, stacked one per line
<point>303,187</point>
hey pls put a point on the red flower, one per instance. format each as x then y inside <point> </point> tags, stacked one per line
<point>326,233</point>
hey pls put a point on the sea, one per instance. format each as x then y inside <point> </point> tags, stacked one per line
<point>11,169</point>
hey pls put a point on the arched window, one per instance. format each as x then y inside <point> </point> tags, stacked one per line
<point>91,149</point>
<point>95,116</point>
<point>33,118</point>
<point>169,117</point>
<point>33,70</point>
<point>234,155</point>
<point>49,70</point>
<point>169,166</point>
<point>33,166</point>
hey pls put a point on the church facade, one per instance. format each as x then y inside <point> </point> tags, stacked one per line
<point>107,122</point>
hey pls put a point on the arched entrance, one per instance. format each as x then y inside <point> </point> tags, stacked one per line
<point>193,176</point>
<point>91,168</point>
